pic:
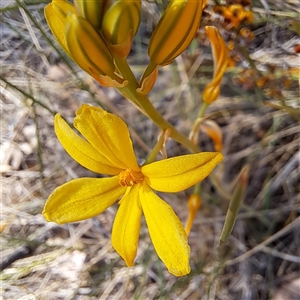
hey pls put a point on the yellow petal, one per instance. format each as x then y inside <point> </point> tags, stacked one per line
<point>81,199</point>
<point>126,229</point>
<point>108,134</point>
<point>166,231</point>
<point>179,173</point>
<point>56,13</point>
<point>81,150</point>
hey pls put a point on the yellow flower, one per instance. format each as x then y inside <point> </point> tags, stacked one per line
<point>107,148</point>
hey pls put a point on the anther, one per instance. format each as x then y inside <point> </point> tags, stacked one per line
<point>129,177</point>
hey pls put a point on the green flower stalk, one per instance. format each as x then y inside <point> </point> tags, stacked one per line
<point>120,24</point>
<point>172,35</point>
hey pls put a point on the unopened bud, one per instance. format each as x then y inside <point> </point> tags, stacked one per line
<point>193,204</point>
<point>120,24</point>
<point>174,31</point>
<point>56,14</point>
<point>172,35</point>
<point>90,52</point>
<point>91,10</point>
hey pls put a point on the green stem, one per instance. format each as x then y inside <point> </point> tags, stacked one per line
<point>144,104</point>
<point>151,157</point>
<point>202,110</point>
<point>197,188</point>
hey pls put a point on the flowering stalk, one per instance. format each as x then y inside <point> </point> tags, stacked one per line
<point>86,47</point>
<point>98,35</point>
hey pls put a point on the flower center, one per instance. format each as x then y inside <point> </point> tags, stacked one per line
<point>129,177</point>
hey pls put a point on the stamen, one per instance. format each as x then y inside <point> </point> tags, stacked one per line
<point>129,177</point>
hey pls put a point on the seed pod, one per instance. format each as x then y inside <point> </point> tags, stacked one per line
<point>120,24</point>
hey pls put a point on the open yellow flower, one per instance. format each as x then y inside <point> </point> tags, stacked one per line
<point>107,148</point>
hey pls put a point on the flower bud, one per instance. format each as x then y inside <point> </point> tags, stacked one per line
<point>82,43</point>
<point>56,13</point>
<point>193,204</point>
<point>174,31</point>
<point>220,56</point>
<point>120,24</point>
<point>172,35</point>
<point>91,10</point>
<point>90,52</point>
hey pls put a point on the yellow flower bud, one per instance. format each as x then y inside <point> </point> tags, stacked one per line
<point>120,24</point>
<point>172,35</point>
<point>174,31</point>
<point>82,43</point>
<point>90,52</point>
<point>56,13</point>
<point>92,11</point>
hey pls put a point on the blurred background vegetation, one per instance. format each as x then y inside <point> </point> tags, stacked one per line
<point>258,112</point>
